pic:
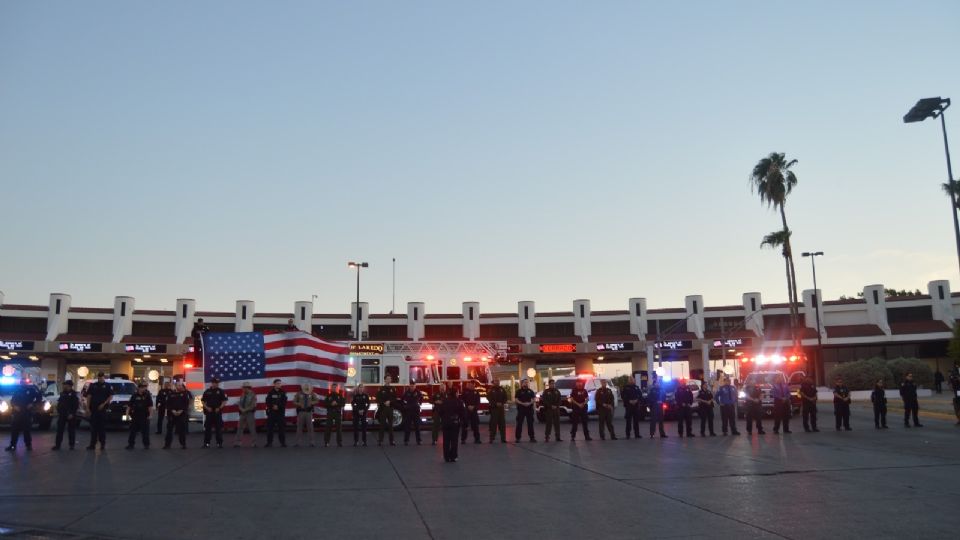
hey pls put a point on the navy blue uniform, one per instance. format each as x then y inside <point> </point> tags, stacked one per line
<point>705,409</point>
<point>275,418</point>
<point>655,403</point>
<point>841,406</point>
<point>911,406</point>
<point>452,412</point>
<point>525,414</point>
<point>471,398</point>
<point>177,406</point>
<point>25,398</point>
<point>632,398</point>
<point>754,408</point>
<point>161,403</point>
<point>99,395</point>
<point>360,405</point>
<point>213,400</point>
<point>412,399</point>
<point>578,413</point>
<point>139,410</point>
<point>879,399</point>
<point>67,408</point>
<point>684,400</point>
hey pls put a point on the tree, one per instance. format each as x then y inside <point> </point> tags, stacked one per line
<point>773,181</point>
<point>952,191</point>
<point>779,239</point>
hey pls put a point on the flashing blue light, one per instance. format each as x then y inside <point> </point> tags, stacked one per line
<point>666,377</point>
<point>8,380</point>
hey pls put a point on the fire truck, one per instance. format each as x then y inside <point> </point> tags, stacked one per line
<point>766,369</point>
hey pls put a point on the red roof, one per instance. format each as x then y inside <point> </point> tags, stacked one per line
<point>723,308</point>
<point>216,314</point>
<point>612,312</point>
<point>918,327</point>
<point>443,316</point>
<point>844,301</point>
<point>736,334</point>
<point>389,316</point>
<point>673,337</point>
<point>594,338</point>
<point>496,315</point>
<point>784,305</point>
<point>854,330</point>
<point>570,339</point>
<point>90,338</point>
<point>667,310</point>
<point>331,316</point>
<point>274,315</point>
<point>22,337</point>
<point>555,314</point>
<point>910,297</point>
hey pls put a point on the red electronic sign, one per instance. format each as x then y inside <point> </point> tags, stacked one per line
<point>558,348</point>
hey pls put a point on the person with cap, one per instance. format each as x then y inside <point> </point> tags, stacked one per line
<point>213,399</point>
<point>291,326</point>
<point>138,409</point>
<point>452,412</point>
<point>705,406</point>
<point>578,410</point>
<point>808,405</point>
<point>727,399</point>
<point>305,400</point>
<point>605,402</point>
<point>276,402</point>
<point>334,405</point>
<point>359,405</point>
<point>386,400</point>
<point>178,403</point>
<point>24,400</point>
<point>911,405</point>
<point>471,400</point>
<point>161,405</point>
<point>841,404</point>
<point>98,395</point>
<point>551,400</point>
<point>412,400</point>
<point>247,410</point>
<point>631,395</point>
<point>199,330</point>
<point>497,398</point>
<point>67,407</point>
<point>655,404</point>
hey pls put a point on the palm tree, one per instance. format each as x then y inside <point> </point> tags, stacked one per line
<point>773,181</point>
<point>952,191</point>
<point>780,239</point>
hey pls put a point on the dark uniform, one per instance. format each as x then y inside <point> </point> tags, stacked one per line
<point>139,410</point>
<point>808,406</point>
<point>632,397</point>
<point>161,403</point>
<point>578,413</point>
<point>841,406</point>
<point>603,397</point>
<point>67,408</point>
<point>754,408</point>
<point>911,406</point>
<point>684,400</point>
<point>471,398</point>
<point>177,401</point>
<point>199,330</point>
<point>23,401</point>
<point>334,404</point>
<point>879,399</point>
<point>213,399</point>
<point>412,399</point>
<point>276,418</point>
<point>436,400</point>
<point>360,405</point>
<point>497,398</point>
<point>655,403</point>
<point>385,395</point>
<point>550,399</point>
<point>99,394</point>
<point>705,408</point>
<point>452,412</point>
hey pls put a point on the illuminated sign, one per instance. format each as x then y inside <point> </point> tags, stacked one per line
<point>80,347</point>
<point>144,348</point>
<point>674,345</point>
<point>614,347</point>
<point>366,348</point>
<point>558,348</point>
<point>731,343</point>
<point>14,345</point>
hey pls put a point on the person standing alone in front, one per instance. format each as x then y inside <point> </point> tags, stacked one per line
<point>452,412</point>
<point>911,405</point>
<point>138,409</point>
<point>808,405</point>
<point>879,399</point>
<point>177,403</point>
<point>841,404</point>
<point>497,399</point>
<point>98,396</point>
<point>276,403</point>
<point>67,407</point>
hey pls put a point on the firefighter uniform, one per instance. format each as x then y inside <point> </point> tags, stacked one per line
<point>99,395</point>
<point>412,400</point>
<point>684,400</point>
<point>386,398</point>
<point>360,405</point>
<point>497,398</point>
<point>841,407</point>
<point>754,408</point>
<point>139,410</point>
<point>525,414</point>
<point>67,408</point>
<point>605,401</point>
<point>213,400</point>
<point>334,405</point>
<point>437,424</point>
<point>23,401</point>
<point>705,409</point>
<point>161,403</point>
<point>276,403</point>
<point>578,412</point>
<point>808,406</point>
<point>655,403</point>
<point>177,405</point>
<point>632,397</point>
<point>471,400</point>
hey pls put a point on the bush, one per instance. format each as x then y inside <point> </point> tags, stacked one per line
<point>620,381</point>
<point>922,374</point>
<point>863,374</point>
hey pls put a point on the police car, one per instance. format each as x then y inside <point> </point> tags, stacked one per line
<point>42,416</point>
<point>116,411</point>
<point>566,385</point>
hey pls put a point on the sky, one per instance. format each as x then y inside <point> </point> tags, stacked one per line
<point>499,151</point>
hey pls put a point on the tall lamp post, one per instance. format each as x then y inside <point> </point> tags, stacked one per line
<point>933,108</point>
<point>816,305</point>
<point>358,266</point>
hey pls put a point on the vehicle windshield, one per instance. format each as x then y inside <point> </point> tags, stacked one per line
<point>566,384</point>
<point>764,378</point>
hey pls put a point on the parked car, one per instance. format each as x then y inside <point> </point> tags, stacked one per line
<point>43,417</point>
<point>117,409</point>
<point>566,385</point>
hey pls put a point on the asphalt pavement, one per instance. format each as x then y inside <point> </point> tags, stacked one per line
<point>895,483</point>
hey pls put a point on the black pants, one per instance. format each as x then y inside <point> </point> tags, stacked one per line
<point>98,427</point>
<point>161,414</point>
<point>728,418</point>
<point>411,422</point>
<point>525,414</point>
<point>656,419</point>
<point>450,433</point>
<point>360,426</point>
<point>631,415</point>
<point>213,422</point>
<point>178,425</point>
<point>782,412</point>
<point>911,407</point>
<point>139,425</point>
<point>809,412</point>
<point>275,423</point>
<point>684,418</point>
<point>22,422</point>
<point>880,415</point>
<point>841,412</point>
<point>706,420</point>
<point>754,416</point>
<point>938,386</point>
<point>71,428</point>
<point>578,417</point>
<point>472,421</point>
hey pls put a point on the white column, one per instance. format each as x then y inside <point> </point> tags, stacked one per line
<point>58,316</point>
<point>1,298</point>
<point>581,319</point>
<point>364,315</point>
<point>122,317</point>
<point>942,303</point>
<point>810,309</point>
<point>186,309</point>
<point>876,300</point>
<point>638,318</point>
<point>694,304</point>
<point>752,304</point>
<point>471,320</point>
<point>415,324</point>
<point>303,316</point>
<point>527,326</point>
<point>243,321</point>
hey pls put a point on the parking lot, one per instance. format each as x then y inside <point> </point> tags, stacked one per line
<point>896,483</point>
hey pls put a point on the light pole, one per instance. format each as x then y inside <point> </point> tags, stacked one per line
<point>933,108</point>
<point>816,305</point>
<point>358,266</point>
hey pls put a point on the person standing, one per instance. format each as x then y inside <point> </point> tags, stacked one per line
<point>955,386</point>
<point>911,405</point>
<point>412,401</point>
<point>782,408</point>
<point>334,405</point>
<point>452,412</point>
<point>276,403</point>
<point>213,399</point>
<point>291,326</point>
<point>683,397</point>
<point>138,409</point>
<point>808,405</point>
<point>727,399</point>
<point>605,401</point>
<point>177,403</point>
<point>161,405</point>
<point>879,399</point>
<point>551,400</point>
<point>841,404</point>
<point>471,400</point>
<point>578,411</point>
<point>247,412</point>
<point>67,407</point>
<point>497,398</point>
<point>754,408</point>
<point>199,330</point>
<point>305,400</point>
<point>436,400</point>
<point>386,397</point>
<point>631,396</point>
<point>98,396</point>
<point>359,405</point>
<point>24,400</point>
<point>655,403</point>
<point>705,409</point>
<point>938,381</point>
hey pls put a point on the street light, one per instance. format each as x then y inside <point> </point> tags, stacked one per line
<point>933,108</point>
<point>358,266</point>
<point>816,306</point>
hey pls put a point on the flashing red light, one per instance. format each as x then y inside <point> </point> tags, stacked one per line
<point>188,365</point>
<point>744,360</point>
<point>430,357</point>
<point>467,359</point>
<point>665,406</point>
<point>793,358</point>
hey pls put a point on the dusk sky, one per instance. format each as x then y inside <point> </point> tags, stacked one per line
<point>501,151</point>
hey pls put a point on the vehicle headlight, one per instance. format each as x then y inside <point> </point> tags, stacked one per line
<point>46,406</point>
<point>4,406</point>
<point>742,394</point>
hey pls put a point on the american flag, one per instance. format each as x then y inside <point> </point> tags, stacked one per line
<point>296,358</point>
